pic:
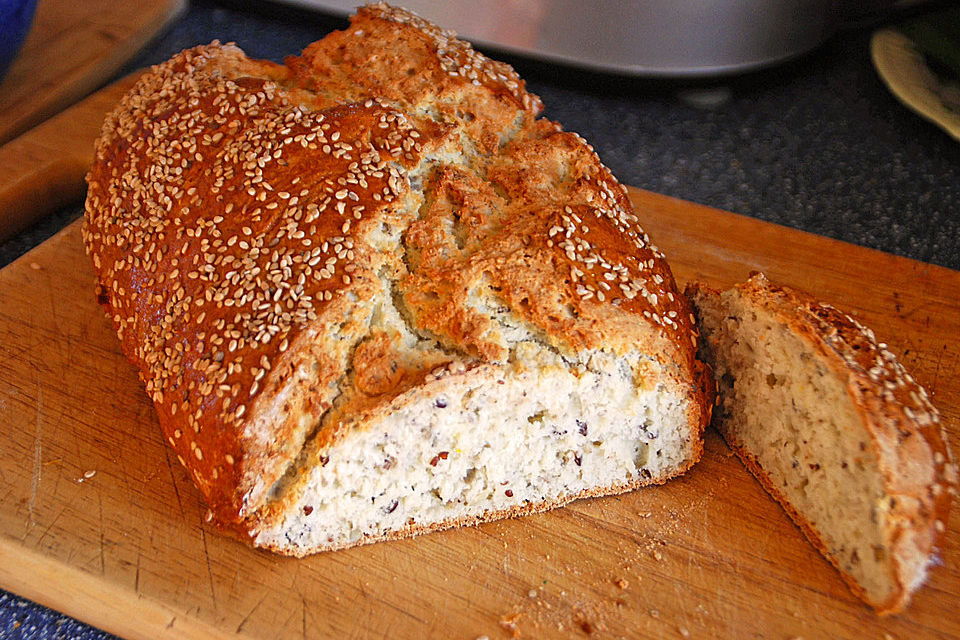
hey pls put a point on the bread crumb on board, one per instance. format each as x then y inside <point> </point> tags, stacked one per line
<point>571,595</point>
<point>509,624</point>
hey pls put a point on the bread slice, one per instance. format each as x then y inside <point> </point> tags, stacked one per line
<point>834,428</point>
<point>371,294</point>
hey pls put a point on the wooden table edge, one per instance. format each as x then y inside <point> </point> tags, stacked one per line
<point>100,603</point>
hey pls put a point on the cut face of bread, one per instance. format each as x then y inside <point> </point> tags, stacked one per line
<point>492,441</point>
<point>834,428</point>
<point>372,294</point>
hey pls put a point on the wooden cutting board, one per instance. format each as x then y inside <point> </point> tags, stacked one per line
<point>98,520</point>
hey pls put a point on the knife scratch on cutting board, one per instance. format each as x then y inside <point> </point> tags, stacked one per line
<point>936,373</point>
<point>173,481</point>
<point>37,454</point>
<point>206,557</point>
<point>49,528</point>
<point>103,563</point>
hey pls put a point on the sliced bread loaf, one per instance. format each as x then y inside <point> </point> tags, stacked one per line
<point>834,428</point>
<point>371,294</point>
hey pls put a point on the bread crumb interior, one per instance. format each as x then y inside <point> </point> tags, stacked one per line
<point>784,407</point>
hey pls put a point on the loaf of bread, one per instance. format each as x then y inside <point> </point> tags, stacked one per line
<point>372,294</point>
<point>834,428</point>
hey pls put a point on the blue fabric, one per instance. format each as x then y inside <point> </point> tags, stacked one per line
<point>23,620</point>
<point>16,16</point>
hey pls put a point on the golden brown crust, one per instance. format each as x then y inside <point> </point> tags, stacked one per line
<point>236,211</point>
<point>558,242</point>
<point>905,431</point>
<point>398,57</point>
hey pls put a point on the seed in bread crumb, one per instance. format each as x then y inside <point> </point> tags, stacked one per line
<point>35,266</point>
<point>532,593</point>
<point>89,474</point>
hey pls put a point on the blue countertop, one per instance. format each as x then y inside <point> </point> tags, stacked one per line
<point>817,144</point>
